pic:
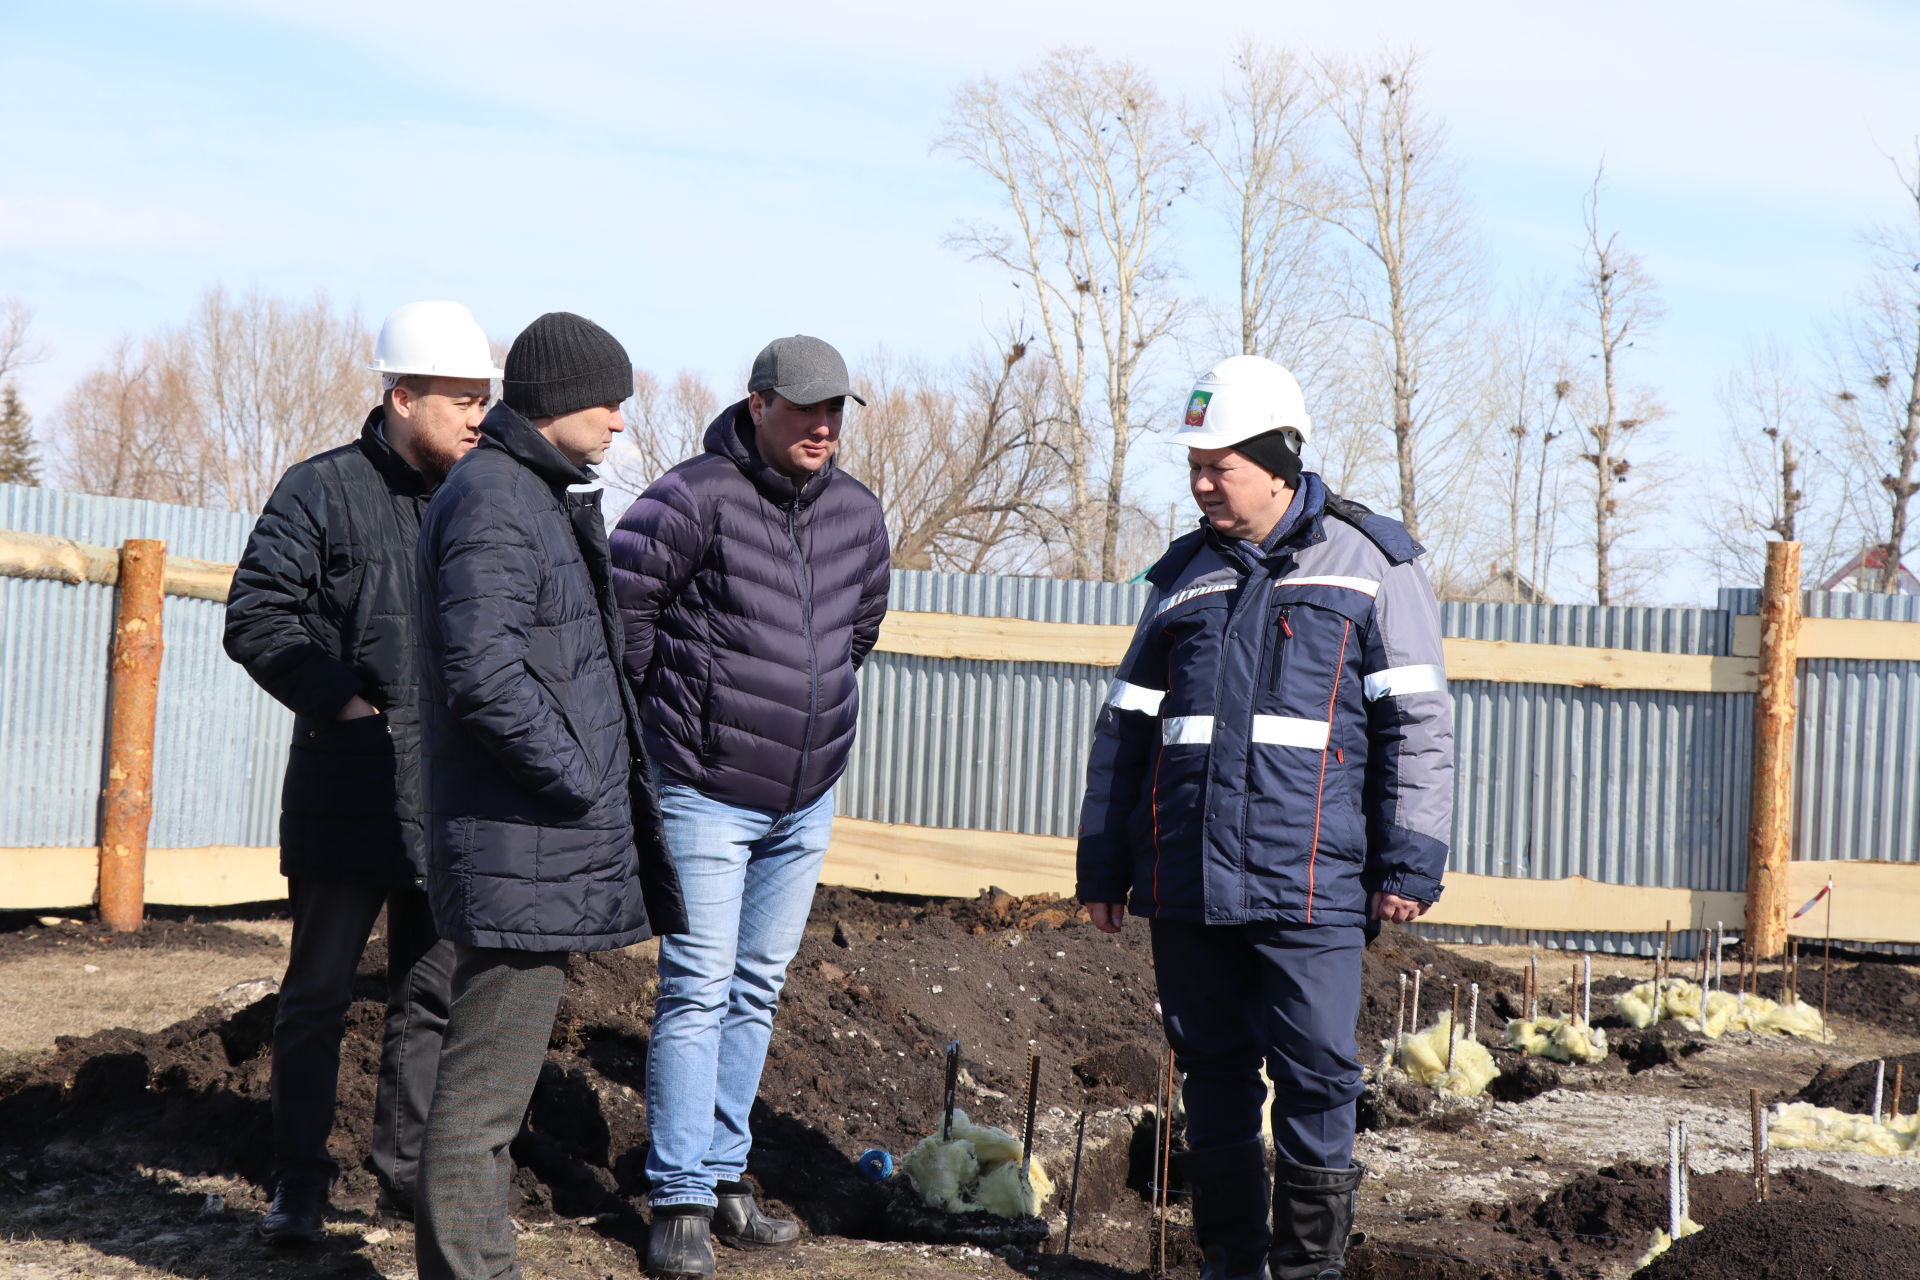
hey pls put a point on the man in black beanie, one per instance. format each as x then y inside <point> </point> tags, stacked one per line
<point>543,828</point>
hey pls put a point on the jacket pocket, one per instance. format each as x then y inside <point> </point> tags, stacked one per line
<point>342,769</point>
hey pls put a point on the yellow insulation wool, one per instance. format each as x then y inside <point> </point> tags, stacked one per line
<point>1723,1012</point>
<point>1424,1057</point>
<point>1562,1039</point>
<point>977,1171</point>
<point>1663,1242</point>
<point>1811,1128</point>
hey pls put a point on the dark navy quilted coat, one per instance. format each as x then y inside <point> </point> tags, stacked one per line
<point>1279,742</point>
<point>749,603</point>
<point>535,780</point>
<point>321,610</point>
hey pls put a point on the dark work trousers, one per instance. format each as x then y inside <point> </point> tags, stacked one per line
<point>331,921</point>
<point>504,1003</point>
<point>1234,996</point>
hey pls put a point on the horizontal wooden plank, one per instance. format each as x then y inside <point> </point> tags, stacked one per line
<point>953,635</point>
<point>38,556</point>
<point>209,876</point>
<point>942,635</point>
<point>1872,901</point>
<point>1868,639</point>
<point>1510,663</point>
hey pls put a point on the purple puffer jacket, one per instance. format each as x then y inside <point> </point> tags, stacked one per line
<point>749,602</point>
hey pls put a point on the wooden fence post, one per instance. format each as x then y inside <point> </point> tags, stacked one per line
<point>1770,825</point>
<point>134,695</point>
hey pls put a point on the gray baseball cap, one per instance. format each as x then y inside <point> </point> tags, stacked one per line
<point>802,370</point>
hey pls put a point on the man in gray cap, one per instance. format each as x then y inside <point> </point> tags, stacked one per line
<point>751,581</point>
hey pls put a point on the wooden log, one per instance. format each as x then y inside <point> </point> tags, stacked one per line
<point>1770,828</point>
<point>135,693</point>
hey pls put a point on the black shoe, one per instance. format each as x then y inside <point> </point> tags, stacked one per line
<point>680,1242</point>
<point>1230,1199</point>
<point>739,1222</point>
<point>294,1219</point>
<point>1312,1218</point>
<point>394,1205</point>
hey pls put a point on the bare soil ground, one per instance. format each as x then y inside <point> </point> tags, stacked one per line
<point>132,1127</point>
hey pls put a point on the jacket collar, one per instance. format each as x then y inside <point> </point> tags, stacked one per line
<point>505,428</point>
<point>731,436</point>
<point>400,475</point>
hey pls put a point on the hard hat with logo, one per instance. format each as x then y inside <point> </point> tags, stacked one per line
<point>436,339</point>
<point>1240,398</point>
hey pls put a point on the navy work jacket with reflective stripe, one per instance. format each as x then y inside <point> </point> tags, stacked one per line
<point>1279,740</point>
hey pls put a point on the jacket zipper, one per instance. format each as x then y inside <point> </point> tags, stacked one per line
<point>813,665</point>
<point>1280,649</point>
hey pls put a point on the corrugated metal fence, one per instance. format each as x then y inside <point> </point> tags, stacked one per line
<point>1628,786</point>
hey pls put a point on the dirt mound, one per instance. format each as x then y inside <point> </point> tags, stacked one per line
<point>22,934</point>
<point>1820,1227</point>
<point>1395,952</point>
<point>1882,992</point>
<point>1619,1206</point>
<point>1851,1088</point>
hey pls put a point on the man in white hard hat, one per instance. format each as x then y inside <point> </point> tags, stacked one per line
<point>1271,777</point>
<point>321,616</point>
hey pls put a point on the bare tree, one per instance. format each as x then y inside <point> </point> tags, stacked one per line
<point>1876,360</point>
<point>1527,391</point>
<point>213,411</point>
<point>1620,306</point>
<point>1413,271</point>
<point>133,429</point>
<point>1274,194</point>
<point>1089,162</point>
<point>666,425</point>
<point>1779,479</point>
<point>17,345</point>
<point>967,462</point>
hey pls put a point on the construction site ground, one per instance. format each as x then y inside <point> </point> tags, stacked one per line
<point>134,1137</point>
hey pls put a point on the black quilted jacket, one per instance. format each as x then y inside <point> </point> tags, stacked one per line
<point>321,610</point>
<point>536,782</point>
<point>749,602</point>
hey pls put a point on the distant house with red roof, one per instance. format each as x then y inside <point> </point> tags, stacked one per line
<point>1862,573</point>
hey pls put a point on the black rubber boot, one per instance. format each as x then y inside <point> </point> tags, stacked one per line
<point>739,1222</point>
<point>1229,1190</point>
<point>298,1205</point>
<point>680,1242</point>
<point>1312,1218</point>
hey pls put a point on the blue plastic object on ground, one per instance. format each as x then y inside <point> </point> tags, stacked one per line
<point>875,1164</point>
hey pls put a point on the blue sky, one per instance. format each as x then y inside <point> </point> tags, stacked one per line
<point>702,178</point>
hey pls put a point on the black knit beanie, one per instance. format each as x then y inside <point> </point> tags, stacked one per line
<point>1272,451</point>
<point>563,362</point>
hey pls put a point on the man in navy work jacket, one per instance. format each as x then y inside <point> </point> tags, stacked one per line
<point>1272,771</point>
<point>543,833</point>
<point>752,580</point>
<point>321,615</point>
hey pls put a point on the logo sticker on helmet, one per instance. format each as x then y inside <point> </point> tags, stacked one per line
<point>1197,408</point>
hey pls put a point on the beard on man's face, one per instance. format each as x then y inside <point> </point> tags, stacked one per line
<point>438,456</point>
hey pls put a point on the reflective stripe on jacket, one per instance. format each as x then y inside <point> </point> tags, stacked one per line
<point>1279,740</point>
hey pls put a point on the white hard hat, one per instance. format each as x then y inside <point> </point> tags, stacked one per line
<point>438,339</point>
<point>1240,398</point>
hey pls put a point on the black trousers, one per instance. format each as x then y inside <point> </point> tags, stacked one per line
<point>504,1003</point>
<point>331,922</point>
<point>1236,997</point>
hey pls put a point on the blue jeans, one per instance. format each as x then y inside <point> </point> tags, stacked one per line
<point>748,876</point>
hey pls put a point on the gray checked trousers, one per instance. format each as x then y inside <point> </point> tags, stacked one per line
<point>504,1003</point>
